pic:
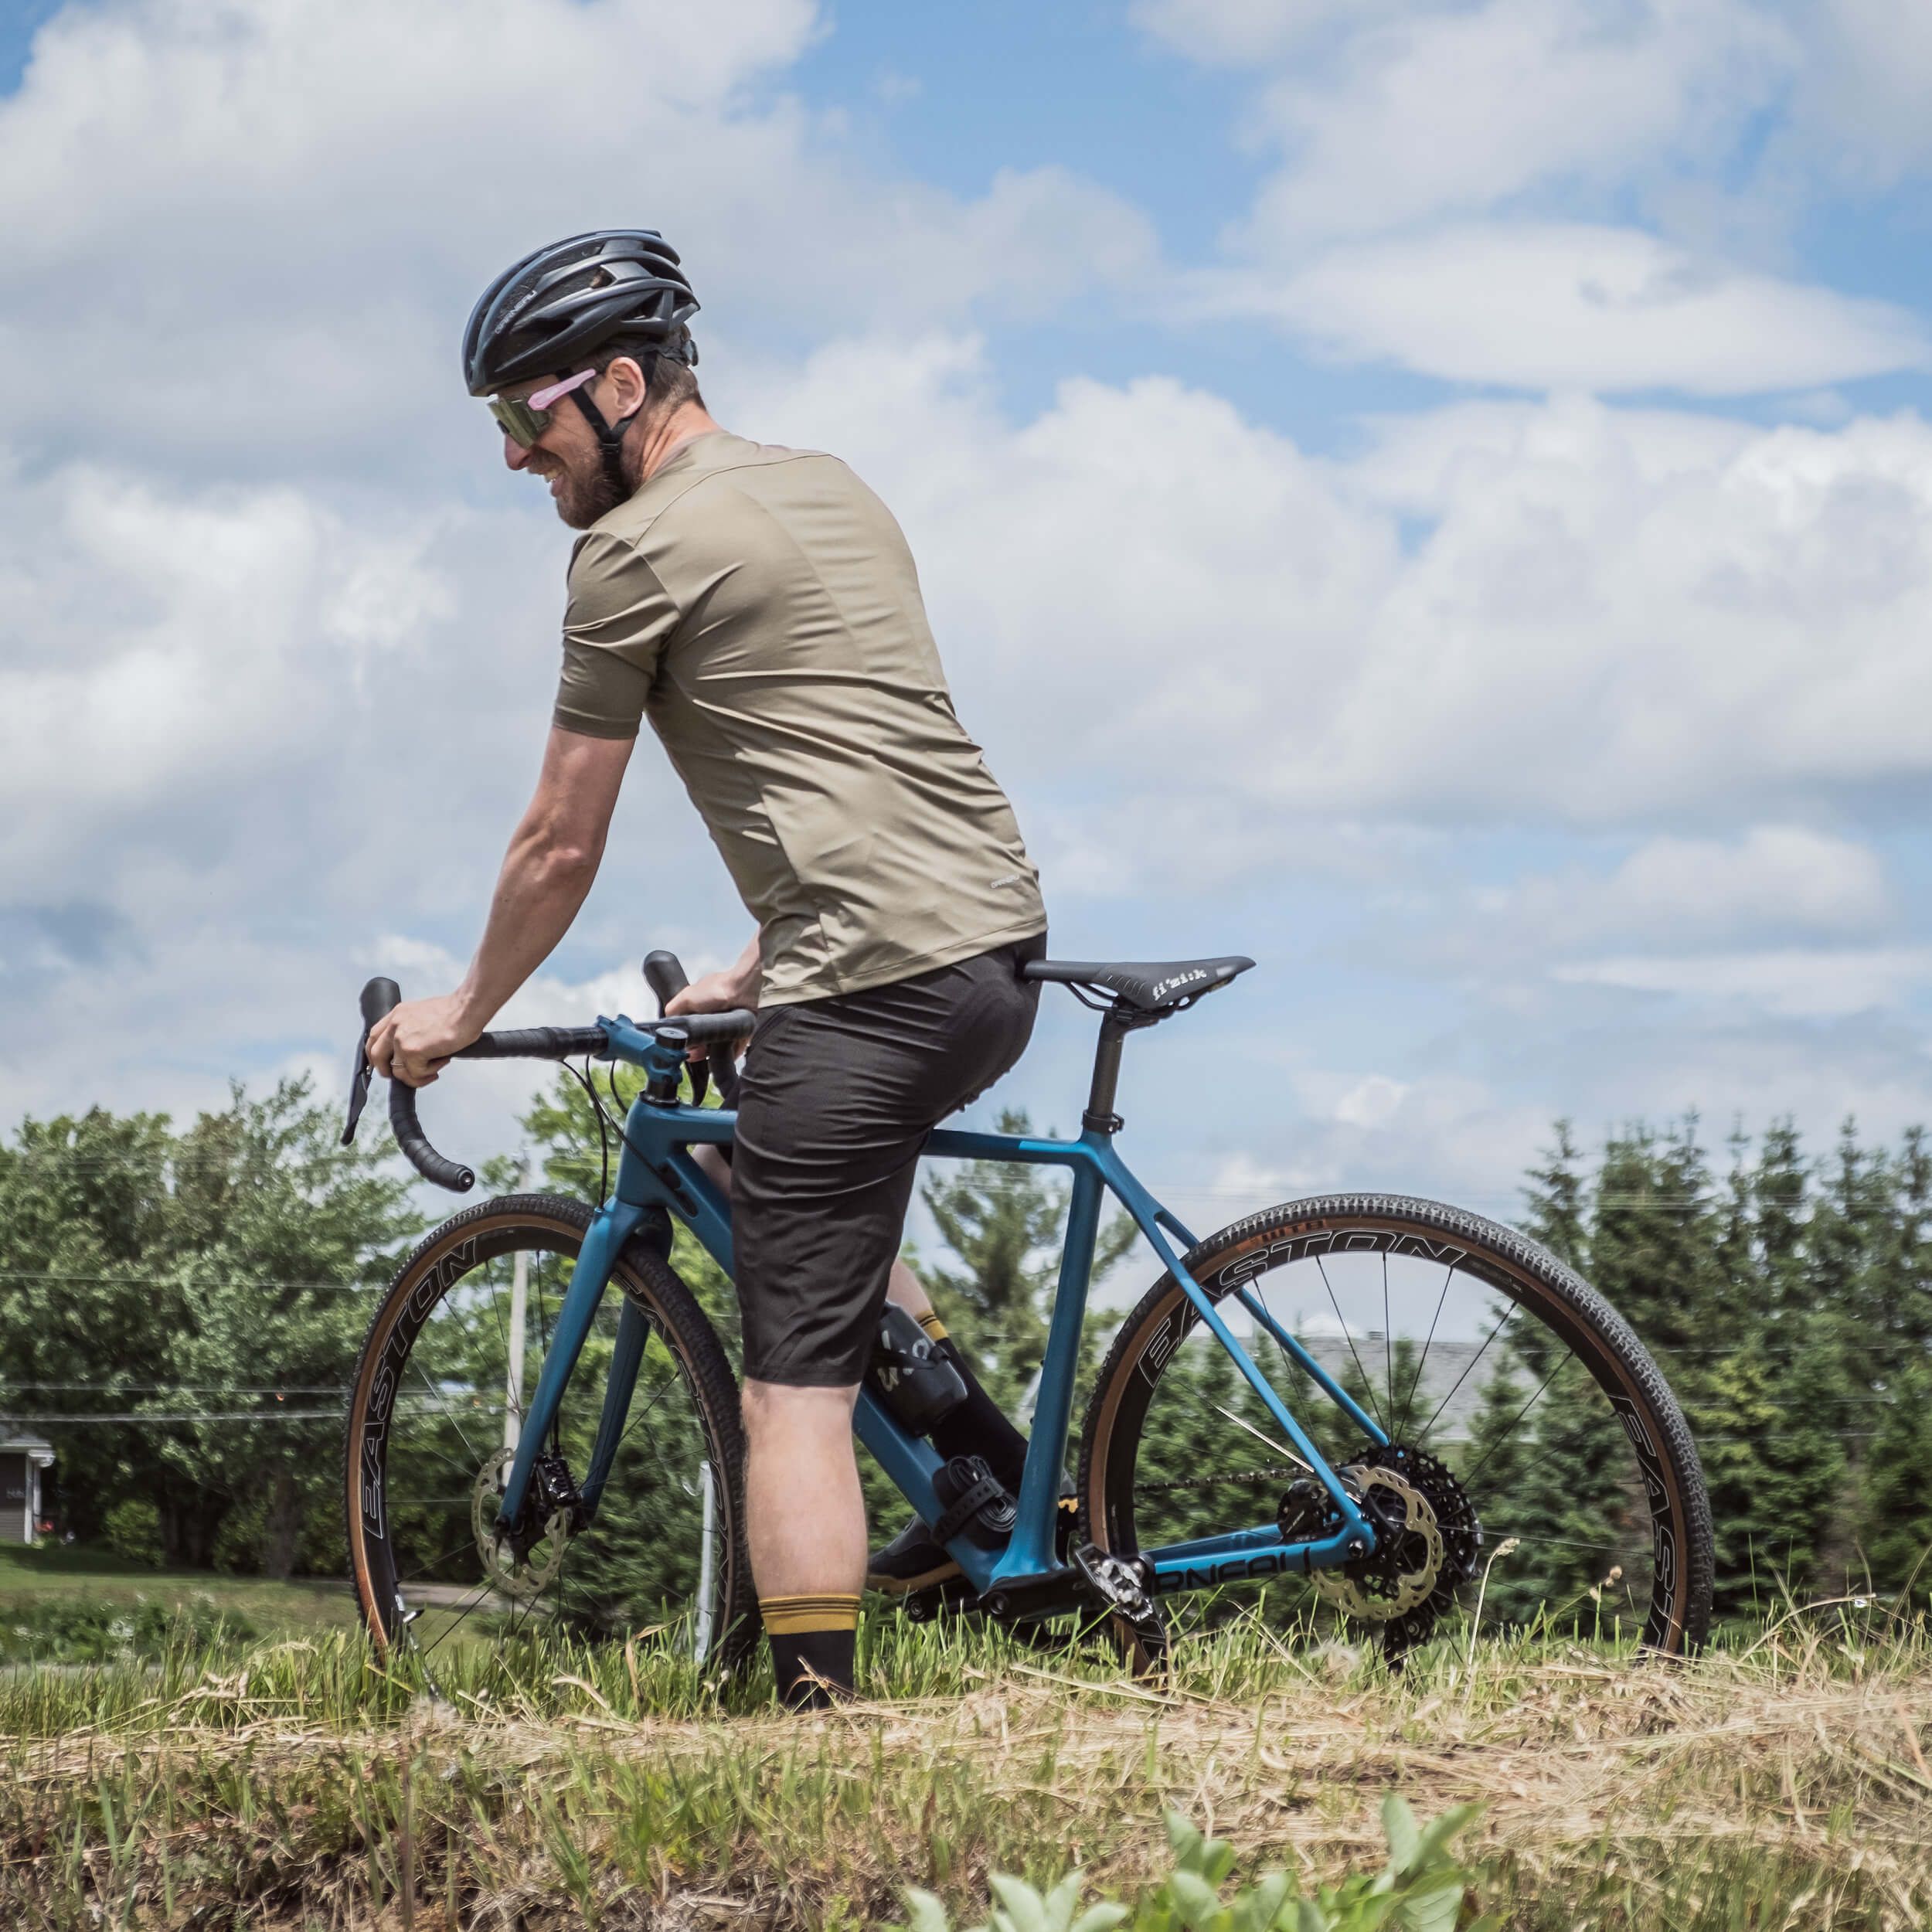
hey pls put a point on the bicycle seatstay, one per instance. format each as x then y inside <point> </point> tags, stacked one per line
<point>655,1170</point>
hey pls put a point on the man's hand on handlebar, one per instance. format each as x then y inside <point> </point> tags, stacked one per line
<point>731,988</point>
<point>413,1042</point>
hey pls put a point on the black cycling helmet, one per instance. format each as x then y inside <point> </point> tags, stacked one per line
<point>562,303</point>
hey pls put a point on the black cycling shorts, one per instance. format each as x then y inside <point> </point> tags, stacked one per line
<point>836,1100</point>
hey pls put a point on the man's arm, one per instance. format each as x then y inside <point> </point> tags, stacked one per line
<point>547,876</point>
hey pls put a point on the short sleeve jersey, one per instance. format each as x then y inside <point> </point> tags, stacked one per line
<point>760,606</point>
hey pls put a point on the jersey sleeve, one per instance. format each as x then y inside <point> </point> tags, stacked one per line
<point>619,618</point>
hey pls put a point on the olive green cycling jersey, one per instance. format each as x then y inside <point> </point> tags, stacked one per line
<point>761,606</point>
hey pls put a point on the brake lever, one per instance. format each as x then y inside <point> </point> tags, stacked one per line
<point>360,1076</point>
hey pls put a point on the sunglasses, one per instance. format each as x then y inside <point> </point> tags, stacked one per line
<point>525,418</point>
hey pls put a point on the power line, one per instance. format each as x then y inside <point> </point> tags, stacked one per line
<point>188,1388</point>
<point>196,1416</point>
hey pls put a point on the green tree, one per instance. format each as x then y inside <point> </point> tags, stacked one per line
<point>1897,1504</point>
<point>282,1237</point>
<point>203,1287</point>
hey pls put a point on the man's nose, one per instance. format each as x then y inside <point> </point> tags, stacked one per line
<point>513,453</point>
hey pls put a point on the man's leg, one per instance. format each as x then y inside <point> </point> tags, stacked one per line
<point>836,1100</point>
<point>806,1525</point>
<point>980,1427</point>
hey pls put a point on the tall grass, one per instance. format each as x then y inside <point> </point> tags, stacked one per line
<point>1782,1780</point>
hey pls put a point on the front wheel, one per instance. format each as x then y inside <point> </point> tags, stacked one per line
<point>1535,1454</point>
<point>451,1359</point>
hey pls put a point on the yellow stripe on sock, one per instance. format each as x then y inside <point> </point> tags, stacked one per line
<point>931,1322</point>
<point>799,1615</point>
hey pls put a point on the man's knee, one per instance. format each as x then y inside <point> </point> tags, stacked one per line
<point>775,1413</point>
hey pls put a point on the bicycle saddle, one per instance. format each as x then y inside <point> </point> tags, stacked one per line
<point>1162,986</point>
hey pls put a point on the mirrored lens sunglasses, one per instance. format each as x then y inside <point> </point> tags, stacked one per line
<point>525,418</point>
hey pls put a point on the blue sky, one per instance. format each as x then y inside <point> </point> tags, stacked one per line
<point>1437,496</point>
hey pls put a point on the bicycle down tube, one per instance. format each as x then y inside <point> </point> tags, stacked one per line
<point>655,1171</point>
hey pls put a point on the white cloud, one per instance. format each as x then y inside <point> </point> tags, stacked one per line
<point>1821,983</point>
<point>1566,307</point>
<point>240,237</point>
<point>1443,111</point>
<point>1606,618</point>
<point>1775,876</point>
<point>1240,32</point>
<point>1448,1134</point>
<point>1670,895</point>
<point>1866,82</point>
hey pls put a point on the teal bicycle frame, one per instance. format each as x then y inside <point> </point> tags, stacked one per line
<point>656,1175</point>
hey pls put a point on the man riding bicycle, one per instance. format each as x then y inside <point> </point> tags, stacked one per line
<point>760,606</point>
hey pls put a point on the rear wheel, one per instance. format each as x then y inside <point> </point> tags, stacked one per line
<point>1538,1455</point>
<point>450,1362</point>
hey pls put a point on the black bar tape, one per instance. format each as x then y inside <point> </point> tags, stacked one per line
<point>535,1043</point>
<point>416,1148</point>
<point>700,1029</point>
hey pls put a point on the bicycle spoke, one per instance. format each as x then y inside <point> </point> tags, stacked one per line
<point>1388,1335</point>
<point>1348,1335</point>
<point>1415,1381</point>
<point>467,1604</point>
<point>1464,1376</point>
<point>422,1570</point>
<point>1516,1421</point>
<point>455,1421</point>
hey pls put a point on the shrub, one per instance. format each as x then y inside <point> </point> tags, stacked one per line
<point>132,1528</point>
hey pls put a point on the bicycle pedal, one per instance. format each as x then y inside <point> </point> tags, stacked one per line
<point>1115,1582</point>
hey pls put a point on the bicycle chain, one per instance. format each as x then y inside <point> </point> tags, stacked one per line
<point>1253,1478</point>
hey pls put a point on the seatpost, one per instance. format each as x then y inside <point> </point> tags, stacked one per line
<point>1100,1116</point>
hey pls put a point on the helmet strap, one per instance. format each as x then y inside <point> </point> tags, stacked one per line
<point>610,435</point>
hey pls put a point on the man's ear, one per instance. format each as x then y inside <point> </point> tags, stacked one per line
<point>628,387</point>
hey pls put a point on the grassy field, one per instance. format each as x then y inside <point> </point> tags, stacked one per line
<point>31,1578</point>
<point>1784,1784</point>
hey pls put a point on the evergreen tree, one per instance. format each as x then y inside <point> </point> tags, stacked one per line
<point>1556,1214</point>
<point>1897,1504</point>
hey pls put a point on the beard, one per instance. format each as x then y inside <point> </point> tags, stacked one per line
<point>582,496</point>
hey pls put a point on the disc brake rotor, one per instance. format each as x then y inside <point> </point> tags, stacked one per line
<point>536,1570</point>
<point>1408,1560</point>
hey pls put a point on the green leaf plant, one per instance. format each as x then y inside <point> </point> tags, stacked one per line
<point>1424,1887</point>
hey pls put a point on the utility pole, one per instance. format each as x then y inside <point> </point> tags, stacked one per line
<point>520,1309</point>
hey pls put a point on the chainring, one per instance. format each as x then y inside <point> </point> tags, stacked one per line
<point>1427,1545</point>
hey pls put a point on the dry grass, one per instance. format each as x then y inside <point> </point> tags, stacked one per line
<point>1785,1785</point>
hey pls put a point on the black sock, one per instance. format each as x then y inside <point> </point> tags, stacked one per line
<point>978,1427</point>
<point>814,1641</point>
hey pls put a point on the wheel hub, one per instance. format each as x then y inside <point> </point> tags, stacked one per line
<point>521,1573</point>
<point>1408,1556</point>
<point>1427,1541</point>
